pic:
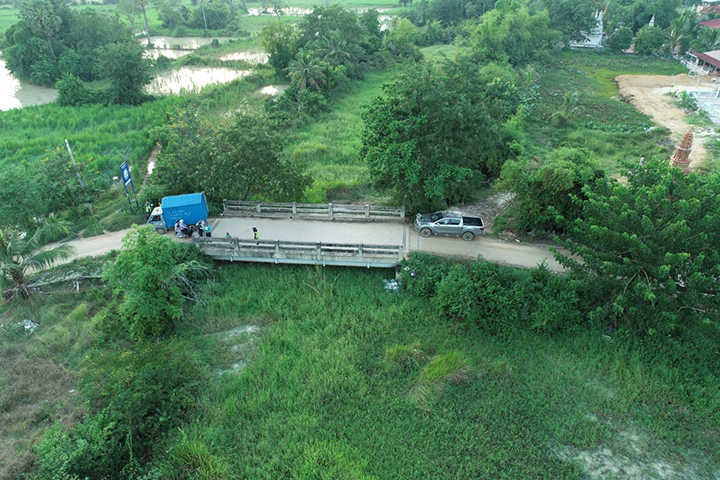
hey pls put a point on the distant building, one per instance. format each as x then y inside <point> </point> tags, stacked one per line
<point>706,63</point>
<point>708,6</point>
<point>595,38</point>
<point>714,23</point>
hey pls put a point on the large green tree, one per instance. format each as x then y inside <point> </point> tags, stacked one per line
<point>437,133</point>
<point>127,71</point>
<point>155,275</point>
<point>544,189</point>
<point>51,41</point>
<point>512,33</point>
<point>649,40</point>
<point>247,162</point>
<point>280,42</point>
<point>574,18</point>
<point>651,247</point>
<point>241,160</point>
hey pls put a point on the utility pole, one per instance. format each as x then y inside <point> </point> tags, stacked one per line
<point>72,157</point>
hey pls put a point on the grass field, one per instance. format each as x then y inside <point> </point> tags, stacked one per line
<point>335,378</point>
<point>330,144</point>
<point>580,87</point>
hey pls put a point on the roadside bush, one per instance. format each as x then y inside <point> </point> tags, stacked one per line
<point>422,273</point>
<point>155,275</point>
<point>495,298</point>
<point>73,92</point>
<point>134,398</point>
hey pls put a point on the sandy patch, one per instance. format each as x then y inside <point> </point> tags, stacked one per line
<point>648,94</point>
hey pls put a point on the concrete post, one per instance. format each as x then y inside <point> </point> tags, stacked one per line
<point>330,209</point>
<point>258,207</point>
<point>367,210</point>
<point>294,208</point>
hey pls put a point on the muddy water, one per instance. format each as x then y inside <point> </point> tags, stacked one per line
<point>185,43</point>
<point>17,94</point>
<point>166,52</point>
<point>273,90</point>
<point>192,79</point>
<point>250,56</point>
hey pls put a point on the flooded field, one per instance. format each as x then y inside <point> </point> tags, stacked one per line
<point>273,90</point>
<point>17,94</point>
<point>192,79</point>
<point>185,43</point>
<point>250,56</point>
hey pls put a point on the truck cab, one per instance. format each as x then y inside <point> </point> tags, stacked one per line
<point>157,220</point>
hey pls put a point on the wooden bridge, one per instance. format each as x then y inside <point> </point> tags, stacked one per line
<point>302,253</point>
<point>314,211</point>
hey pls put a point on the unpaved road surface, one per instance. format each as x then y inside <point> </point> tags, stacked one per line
<point>510,253</point>
<point>647,93</point>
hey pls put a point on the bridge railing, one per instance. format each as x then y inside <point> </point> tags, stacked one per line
<point>313,210</point>
<point>280,251</point>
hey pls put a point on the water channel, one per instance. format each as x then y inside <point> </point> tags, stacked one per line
<point>17,94</point>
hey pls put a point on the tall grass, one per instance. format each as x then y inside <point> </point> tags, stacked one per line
<point>325,373</point>
<point>330,145</point>
<point>345,380</point>
<point>102,137</point>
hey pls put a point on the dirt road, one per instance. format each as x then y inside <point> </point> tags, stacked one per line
<point>648,94</point>
<point>510,253</point>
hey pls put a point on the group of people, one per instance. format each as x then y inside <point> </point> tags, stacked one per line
<point>184,230</point>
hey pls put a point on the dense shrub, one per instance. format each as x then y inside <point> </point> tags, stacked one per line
<point>134,397</point>
<point>495,298</point>
<point>620,40</point>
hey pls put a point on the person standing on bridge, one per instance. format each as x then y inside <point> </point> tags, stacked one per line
<point>256,237</point>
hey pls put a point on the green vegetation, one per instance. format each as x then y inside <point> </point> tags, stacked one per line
<point>35,167</point>
<point>330,144</point>
<point>611,129</point>
<point>547,191</point>
<point>438,132</point>
<point>652,246</point>
<point>21,252</point>
<point>346,380</point>
<point>155,276</point>
<point>159,369</point>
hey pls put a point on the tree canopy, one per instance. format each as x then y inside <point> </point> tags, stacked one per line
<point>51,40</point>
<point>241,160</point>
<point>511,33</point>
<point>652,249</point>
<point>437,133</point>
<point>155,275</point>
<point>547,190</point>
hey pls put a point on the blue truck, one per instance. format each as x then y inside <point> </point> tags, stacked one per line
<point>190,208</point>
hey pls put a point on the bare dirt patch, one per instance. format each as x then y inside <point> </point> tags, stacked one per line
<point>488,208</point>
<point>648,93</point>
<point>634,455</point>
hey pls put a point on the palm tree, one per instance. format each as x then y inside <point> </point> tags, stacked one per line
<point>707,39</point>
<point>305,70</point>
<point>41,17</point>
<point>336,49</point>
<point>20,252</point>
<point>682,30</point>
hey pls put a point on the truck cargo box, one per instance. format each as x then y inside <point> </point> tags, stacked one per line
<point>190,207</point>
